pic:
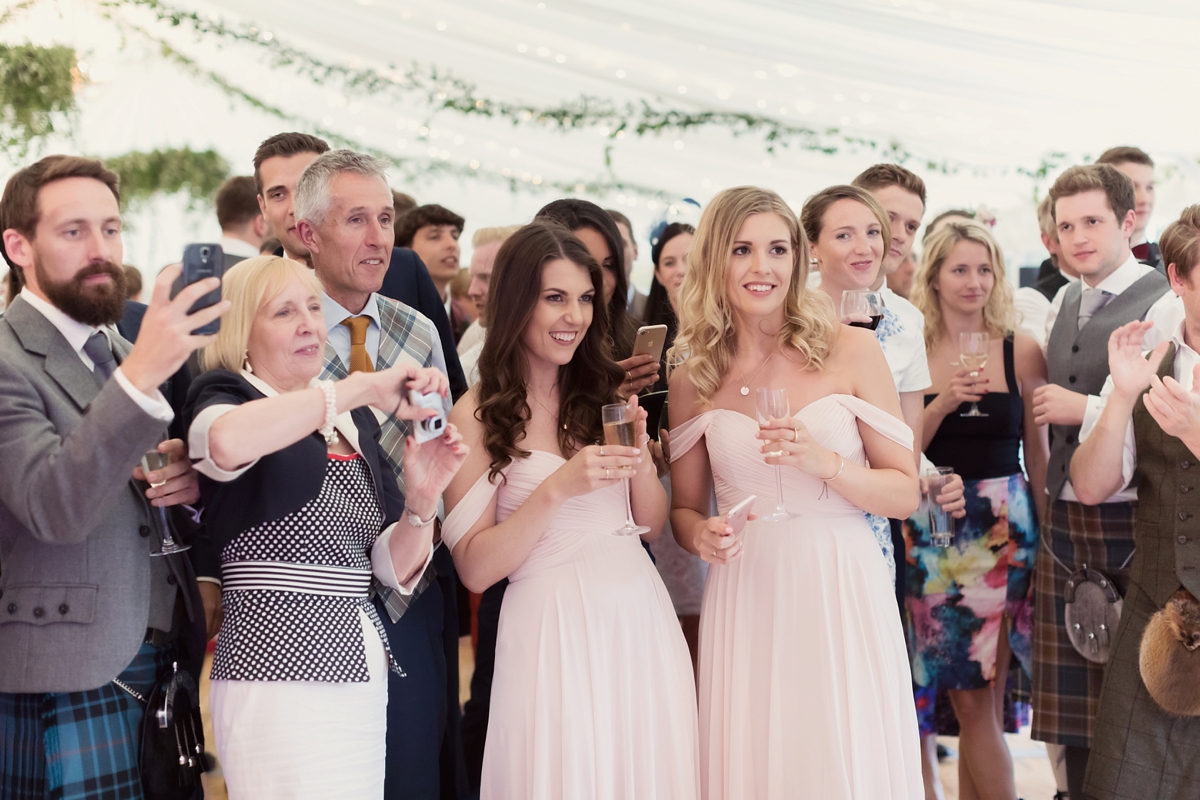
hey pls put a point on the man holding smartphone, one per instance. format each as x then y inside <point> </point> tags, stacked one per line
<point>88,614</point>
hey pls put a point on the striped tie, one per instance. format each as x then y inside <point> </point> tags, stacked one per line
<point>359,360</point>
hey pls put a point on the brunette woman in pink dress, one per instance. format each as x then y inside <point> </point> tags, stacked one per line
<point>593,695</point>
<point>804,682</point>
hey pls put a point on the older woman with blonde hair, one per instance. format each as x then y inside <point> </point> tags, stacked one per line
<point>305,512</point>
<point>966,624</point>
<point>803,682</point>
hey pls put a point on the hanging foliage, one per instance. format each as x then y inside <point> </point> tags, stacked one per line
<point>144,175</point>
<point>37,94</point>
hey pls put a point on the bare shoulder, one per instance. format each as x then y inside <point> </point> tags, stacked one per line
<point>1027,356</point>
<point>683,399</point>
<point>855,349</point>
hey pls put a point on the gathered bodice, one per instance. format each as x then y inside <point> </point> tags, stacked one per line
<point>596,514</point>
<point>739,468</point>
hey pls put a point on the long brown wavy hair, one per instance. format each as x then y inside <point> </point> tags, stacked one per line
<point>585,384</point>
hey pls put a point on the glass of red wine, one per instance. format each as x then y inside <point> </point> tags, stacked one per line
<point>862,308</point>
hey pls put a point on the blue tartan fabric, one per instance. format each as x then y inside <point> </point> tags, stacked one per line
<point>78,745</point>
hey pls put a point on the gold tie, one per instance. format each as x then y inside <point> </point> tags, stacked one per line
<point>359,360</point>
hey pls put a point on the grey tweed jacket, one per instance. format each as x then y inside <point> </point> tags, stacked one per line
<point>78,587</point>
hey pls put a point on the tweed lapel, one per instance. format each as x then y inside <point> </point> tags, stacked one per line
<point>333,368</point>
<point>394,331</point>
<point>39,336</point>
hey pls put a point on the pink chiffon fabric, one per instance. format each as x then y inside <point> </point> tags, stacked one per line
<point>593,695</point>
<point>804,681</point>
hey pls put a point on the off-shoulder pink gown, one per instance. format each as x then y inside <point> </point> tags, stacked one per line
<point>805,688</point>
<point>593,695</point>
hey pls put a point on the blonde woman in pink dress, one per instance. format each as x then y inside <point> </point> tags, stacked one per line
<point>804,682</point>
<point>593,696</point>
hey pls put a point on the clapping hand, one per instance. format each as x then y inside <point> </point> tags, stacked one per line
<point>1131,371</point>
<point>1176,410</point>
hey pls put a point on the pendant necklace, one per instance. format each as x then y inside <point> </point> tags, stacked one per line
<point>548,411</point>
<point>745,390</point>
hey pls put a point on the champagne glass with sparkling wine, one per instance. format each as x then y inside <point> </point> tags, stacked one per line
<point>773,403</point>
<point>620,428</point>
<point>153,461</point>
<point>973,354</point>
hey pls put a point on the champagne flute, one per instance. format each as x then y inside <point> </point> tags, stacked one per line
<point>863,307</point>
<point>620,428</point>
<point>153,461</point>
<point>773,403</point>
<point>973,354</point>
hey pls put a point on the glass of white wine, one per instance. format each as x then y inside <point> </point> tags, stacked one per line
<point>154,461</point>
<point>773,403</point>
<point>620,428</point>
<point>973,354</point>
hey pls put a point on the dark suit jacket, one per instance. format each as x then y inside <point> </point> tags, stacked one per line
<point>408,281</point>
<point>1050,279</point>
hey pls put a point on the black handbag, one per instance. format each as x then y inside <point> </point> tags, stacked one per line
<point>172,756</point>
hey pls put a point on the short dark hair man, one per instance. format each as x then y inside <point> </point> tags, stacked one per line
<point>1135,164</point>
<point>278,165</point>
<point>90,616</point>
<point>243,226</point>
<point>432,232</point>
<point>637,300</point>
<point>1094,212</point>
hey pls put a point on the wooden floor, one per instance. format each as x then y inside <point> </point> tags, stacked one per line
<point>1030,765</point>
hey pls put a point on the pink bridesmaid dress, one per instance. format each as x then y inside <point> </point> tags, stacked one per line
<point>805,689</point>
<point>593,695</point>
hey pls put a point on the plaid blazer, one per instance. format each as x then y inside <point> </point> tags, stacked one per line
<point>405,336</point>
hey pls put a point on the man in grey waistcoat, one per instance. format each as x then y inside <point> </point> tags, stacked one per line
<point>1094,213</point>
<point>89,616</point>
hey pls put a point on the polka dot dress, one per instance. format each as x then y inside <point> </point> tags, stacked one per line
<point>275,635</point>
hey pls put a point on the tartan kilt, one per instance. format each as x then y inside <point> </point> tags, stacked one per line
<point>1066,686</point>
<point>1139,750</point>
<point>78,745</point>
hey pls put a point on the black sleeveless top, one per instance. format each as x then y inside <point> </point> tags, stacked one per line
<point>983,447</point>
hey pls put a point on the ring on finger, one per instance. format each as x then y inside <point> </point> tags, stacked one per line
<point>608,473</point>
<point>796,434</point>
<point>601,449</point>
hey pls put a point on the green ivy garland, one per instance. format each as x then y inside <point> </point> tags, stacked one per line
<point>37,94</point>
<point>198,175</point>
<point>444,91</point>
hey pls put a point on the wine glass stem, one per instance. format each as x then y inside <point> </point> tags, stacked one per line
<point>166,528</point>
<point>629,523</point>
<point>779,489</point>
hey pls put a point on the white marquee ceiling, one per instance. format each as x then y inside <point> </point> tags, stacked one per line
<point>988,88</point>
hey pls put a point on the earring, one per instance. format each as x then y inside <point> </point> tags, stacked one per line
<point>246,362</point>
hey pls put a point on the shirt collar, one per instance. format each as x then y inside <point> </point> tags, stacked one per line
<point>335,314</point>
<point>236,247</point>
<point>1123,276</point>
<point>75,332</point>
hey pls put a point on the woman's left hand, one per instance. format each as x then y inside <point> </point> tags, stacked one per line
<point>640,372</point>
<point>791,437</point>
<point>428,468</point>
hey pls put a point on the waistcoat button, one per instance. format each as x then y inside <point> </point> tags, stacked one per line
<point>39,612</point>
<point>171,579</point>
<point>1182,540</point>
<point>144,531</point>
<point>1184,515</point>
<point>1071,379</point>
<point>1186,465</point>
<point>1070,438</point>
<point>1184,489</point>
<point>64,608</point>
<point>1074,348</point>
<point>12,608</point>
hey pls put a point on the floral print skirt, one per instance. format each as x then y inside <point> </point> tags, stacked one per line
<point>957,596</point>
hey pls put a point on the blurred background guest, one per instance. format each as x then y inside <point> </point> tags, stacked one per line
<point>432,232</point>
<point>636,300</point>
<point>133,283</point>
<point>966,647</point>
<point>1135,164</point>
<point>484,246</point>
<point>243,226</point>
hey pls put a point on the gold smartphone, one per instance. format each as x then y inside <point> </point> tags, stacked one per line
<point>650,340</point>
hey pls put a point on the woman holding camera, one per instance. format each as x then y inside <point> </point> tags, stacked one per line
<point>305,513</point>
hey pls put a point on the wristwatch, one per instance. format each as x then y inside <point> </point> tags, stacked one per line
<point>416,521</point>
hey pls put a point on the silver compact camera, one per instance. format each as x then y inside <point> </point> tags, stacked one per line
<point>433,427</point>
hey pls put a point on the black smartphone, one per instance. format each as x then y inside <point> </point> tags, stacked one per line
<point>653,402</point>
<point>202,261</point>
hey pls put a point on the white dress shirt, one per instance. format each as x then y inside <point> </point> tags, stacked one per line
<point>237,247</point>
<point>1032,308</point>
<point>1166,314</point>
<point>1186,360</point>
<point>76,333</point>
<point>905,351</point>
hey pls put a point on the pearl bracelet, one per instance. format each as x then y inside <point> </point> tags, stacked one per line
<point>326,429</point>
